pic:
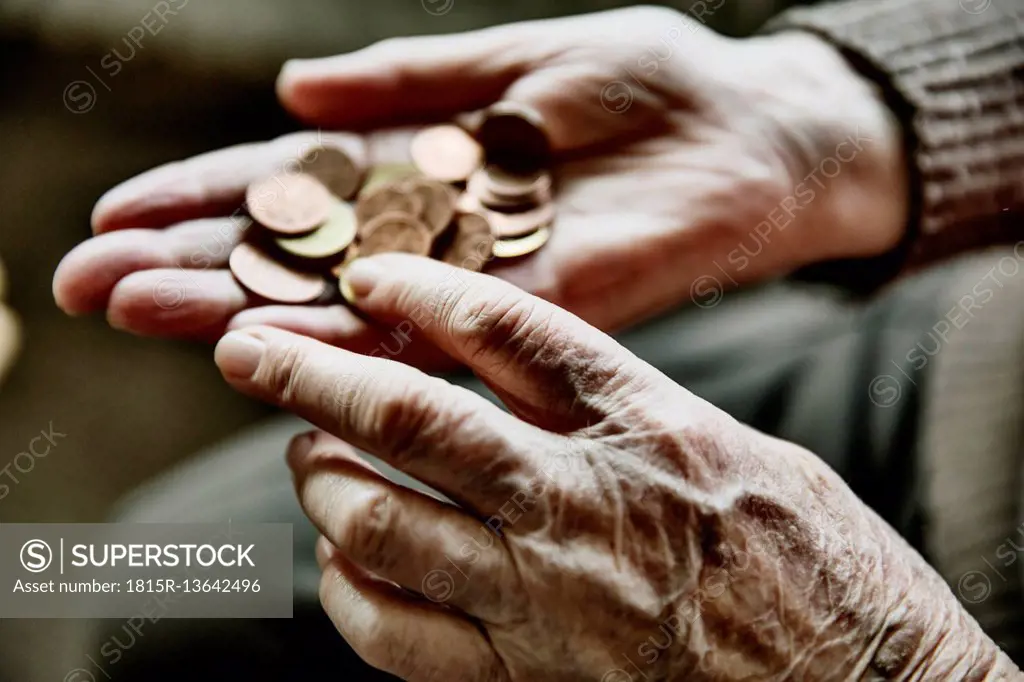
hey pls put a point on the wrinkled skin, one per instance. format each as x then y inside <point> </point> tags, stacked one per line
<point>613,527</point>
<point>734,160</point>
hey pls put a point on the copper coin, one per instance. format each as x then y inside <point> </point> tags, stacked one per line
<point>513,137</point>
<point>446,153</point>
<point>394,231</point>
<point>386,173</point>
<point>327,240</point>
<point>289,204</point>
<point>388,198</point>
<point>438,200</point>
<point>262,275</point>
<point>514,248</point>
<point>472,245</point>
<point>334,168</point>
<point>510,225</point>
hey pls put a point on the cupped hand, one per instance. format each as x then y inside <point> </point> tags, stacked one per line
<point>685,162</point>
<point>613,527</point>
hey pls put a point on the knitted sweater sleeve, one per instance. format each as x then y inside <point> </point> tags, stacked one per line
<point>953,73</point>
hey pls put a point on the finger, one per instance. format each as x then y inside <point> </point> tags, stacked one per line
<point>186,304</point>
<point>337,325</point>
<point>417,641</point>
<point>214,184</point>
<point>418,542</point>
<point>433,77</point>
<point>323,552</point>
<point>415,78</point>
<point>544,360</point>
<point>87,275</point>
<point>444,435</point>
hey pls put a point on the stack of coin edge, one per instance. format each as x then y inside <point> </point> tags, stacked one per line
<point>470,195</point>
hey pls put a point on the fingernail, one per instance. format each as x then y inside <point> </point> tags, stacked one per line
<point>359,278</point>
<point>289,69</point>
<point>116,320</point>
<point>238,354</point>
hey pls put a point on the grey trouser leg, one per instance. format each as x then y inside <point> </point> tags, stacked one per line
<point>794,361</point>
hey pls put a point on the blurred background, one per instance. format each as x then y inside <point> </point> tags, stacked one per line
<point>194,75</point>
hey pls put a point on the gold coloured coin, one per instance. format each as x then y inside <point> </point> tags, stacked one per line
<point>387,173</point>
<point>329,239</point>
<point>514,248</point>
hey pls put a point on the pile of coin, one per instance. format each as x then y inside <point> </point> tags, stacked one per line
<point>473,193</point>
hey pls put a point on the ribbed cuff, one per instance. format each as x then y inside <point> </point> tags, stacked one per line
<point>953,74</point>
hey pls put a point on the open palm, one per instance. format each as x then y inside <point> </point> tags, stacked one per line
<point>676,152</point>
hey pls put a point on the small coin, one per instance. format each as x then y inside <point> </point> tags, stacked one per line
<point>327,240</point>
<point>389,198</point>
<point>446,153</point>
<point>438,199</point>
<point>471,248</point>
<point>514,248</point>
<point>334,168</point>
<point>513,136</point>
<point>289,204</point>
<point>395,231</point>
<point>511,225</point>
<point>387,173</point>
<point>264,276</point>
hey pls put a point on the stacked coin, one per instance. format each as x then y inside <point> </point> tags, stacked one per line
<point>469,196</point>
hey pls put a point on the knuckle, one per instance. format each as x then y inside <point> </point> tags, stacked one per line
<point>370,528</point>
<point>337,594</point>
<point>403,417</point>
<point>445,301</point>
<point>383,648</point>
<point>300,447</point>
<point>504,321</point>
<point>283,372</point>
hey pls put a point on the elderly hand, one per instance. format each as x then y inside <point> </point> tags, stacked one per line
<point>613,527</point>
<point>685,162</point>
